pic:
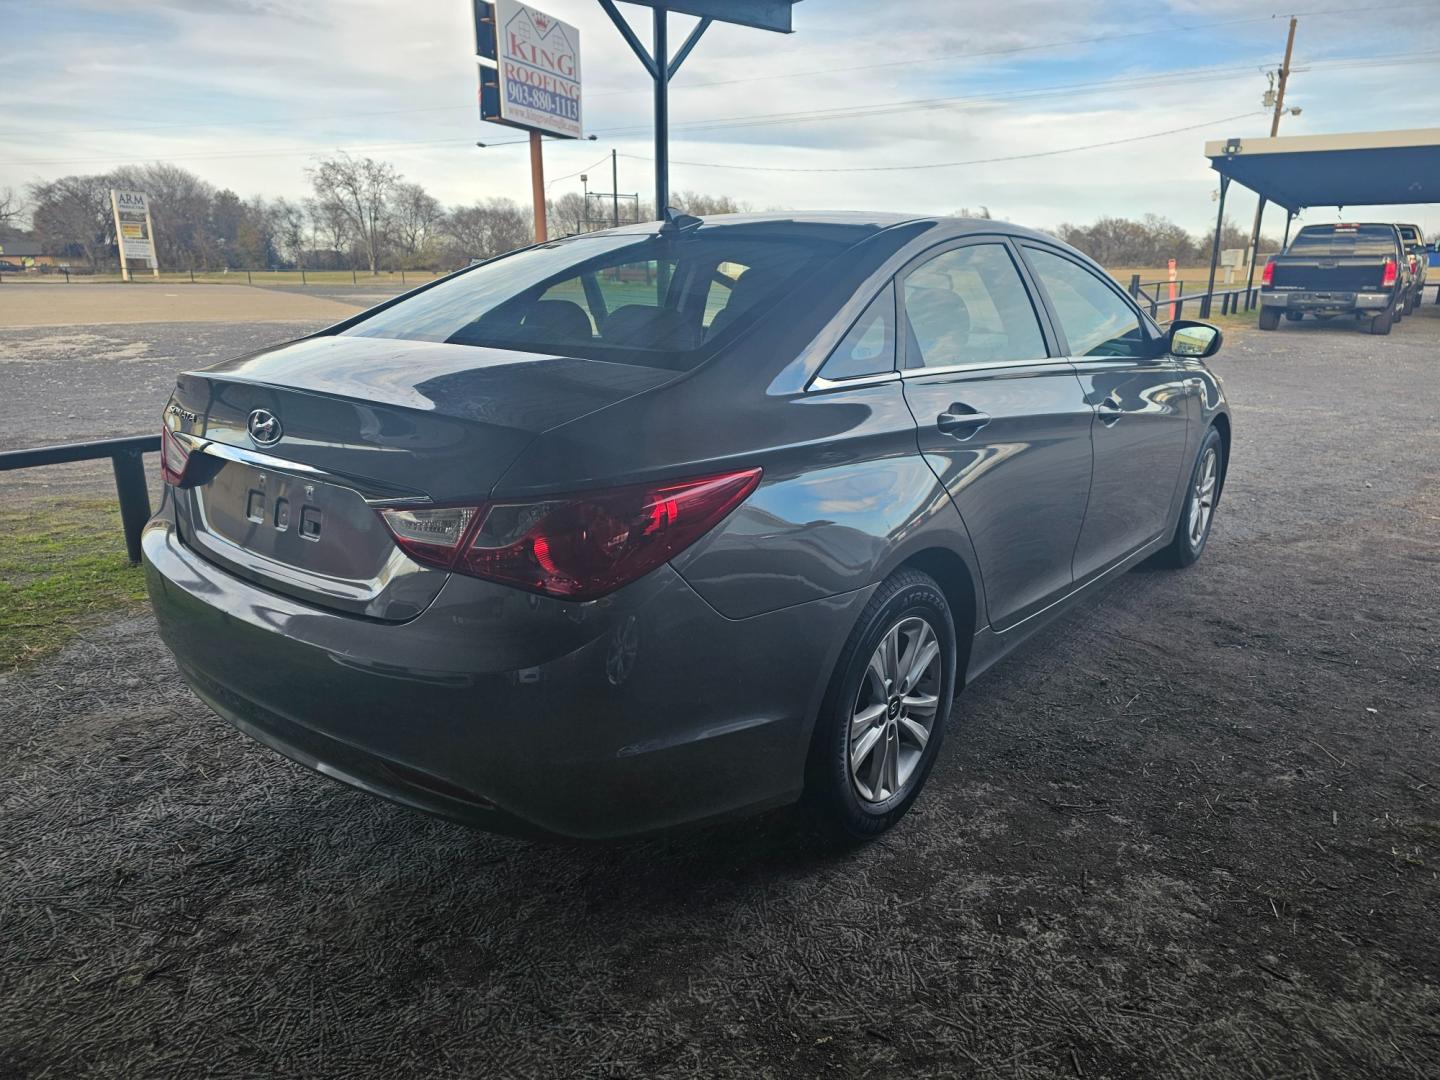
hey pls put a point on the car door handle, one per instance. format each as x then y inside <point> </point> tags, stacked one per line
<point>961,421</point>
<point>1109,411</point>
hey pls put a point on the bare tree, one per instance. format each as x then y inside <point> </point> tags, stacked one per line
<point>289,219</point>
<point>417,215</point>
<point>484,230</point>
<point>71,216</point>
<point>565,216</point>
<point>362,190</point>
<point>10,206</point>
<point>329,225</point>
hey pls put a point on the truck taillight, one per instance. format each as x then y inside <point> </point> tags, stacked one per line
<point>577,547</point>
<point>1390,274</point>
<point>1267,276</point>
<point>174,458</point>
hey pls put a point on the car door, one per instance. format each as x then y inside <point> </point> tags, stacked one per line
<point>1141,398</point>
<point>1001,418</point>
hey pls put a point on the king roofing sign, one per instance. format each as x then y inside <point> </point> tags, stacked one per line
<point>535,80</point>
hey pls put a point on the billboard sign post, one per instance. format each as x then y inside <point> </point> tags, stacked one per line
<point>134,232</point>
<point>529,78</point>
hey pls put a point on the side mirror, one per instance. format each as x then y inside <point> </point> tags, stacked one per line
<point>1195,340</point>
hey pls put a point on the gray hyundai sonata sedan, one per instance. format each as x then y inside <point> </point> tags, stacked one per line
<point>674,522</point>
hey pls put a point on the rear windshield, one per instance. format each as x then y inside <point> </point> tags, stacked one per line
<point>1344,240</point>
<point>659,300</point>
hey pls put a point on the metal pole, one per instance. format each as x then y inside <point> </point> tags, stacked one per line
<point>1215,247</point>
<point>615,187</point>
<point>1254,252</point>
<point>1289,217</point>
<point>134,499</point>
<point>537,187</point>
<point>661,57</point>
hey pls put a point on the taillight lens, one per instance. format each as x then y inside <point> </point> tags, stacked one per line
<point>174,458</point>
<point>578,547</point>
<point>1391,272</point>
<point>1267,276</point>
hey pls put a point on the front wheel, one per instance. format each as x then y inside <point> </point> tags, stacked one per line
<point>883,718</point>
<point>1269,318</point>
<point>1193,528</point>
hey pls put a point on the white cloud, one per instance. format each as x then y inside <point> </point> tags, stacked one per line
<point>245,93</point>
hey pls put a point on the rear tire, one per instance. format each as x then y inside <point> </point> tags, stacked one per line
<point>1381,323</point>
<point>1269,318</point>
<point>878,732</point>
<point>1198,514</point>
<point>1294,316</point>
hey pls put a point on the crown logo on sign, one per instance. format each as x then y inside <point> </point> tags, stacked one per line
<point>542,23</point>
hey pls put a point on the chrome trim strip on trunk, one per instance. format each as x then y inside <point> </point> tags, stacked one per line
<point>373,492</point>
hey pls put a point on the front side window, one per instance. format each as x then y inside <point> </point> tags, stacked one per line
<point>660,300</point>
<point>969,306</point>
<point>869,347</point>
<point>1096,321</point>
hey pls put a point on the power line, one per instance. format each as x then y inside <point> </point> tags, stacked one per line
<point>804,116</point>
<point>956,164</point>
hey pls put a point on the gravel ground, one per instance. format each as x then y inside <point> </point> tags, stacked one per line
<point>1191,831</point>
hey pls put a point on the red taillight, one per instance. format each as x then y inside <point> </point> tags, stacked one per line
<point>578,547</point>
<point>1267,276</point>
<point>1391,272</point>
<point>174,458</point>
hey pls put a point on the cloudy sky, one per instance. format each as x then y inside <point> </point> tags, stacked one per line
<point>248,92</point>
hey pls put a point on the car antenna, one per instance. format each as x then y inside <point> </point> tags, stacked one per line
<point>679,221</point>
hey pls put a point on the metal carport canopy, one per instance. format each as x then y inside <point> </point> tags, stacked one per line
<point>1364,169</point>
<point>1368,168</point>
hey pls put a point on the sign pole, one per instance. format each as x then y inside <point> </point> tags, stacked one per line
<point>119,237</point>
<point>537,186</point>
<point>150,232</point>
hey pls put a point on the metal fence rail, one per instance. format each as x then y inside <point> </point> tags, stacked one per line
<point>127,458</point>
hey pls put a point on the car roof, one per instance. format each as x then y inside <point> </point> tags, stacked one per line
<point>862,222</point>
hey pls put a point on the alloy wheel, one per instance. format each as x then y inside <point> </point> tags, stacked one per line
<point>1202,496</point>
<point>895,710</point>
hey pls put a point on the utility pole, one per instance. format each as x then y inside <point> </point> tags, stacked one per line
<point>615,186</point>
<point>1274,130</point>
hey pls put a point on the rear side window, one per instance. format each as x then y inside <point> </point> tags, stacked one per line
<point>1096,321</point>
<point>869,347</point>
<point>664,300</point>
<point>1339,240</point>
<point>969,306</point>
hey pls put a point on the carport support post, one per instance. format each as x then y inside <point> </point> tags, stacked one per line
<point>1289,217</point>
<point>1254,253</point>
<point>661,57</point>
<point>1215,247</point>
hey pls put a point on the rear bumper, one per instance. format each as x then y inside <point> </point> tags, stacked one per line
<point>639,712</point>
<point>1326,301</point>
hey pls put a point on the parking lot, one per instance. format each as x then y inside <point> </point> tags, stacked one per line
<point>1193,830</point>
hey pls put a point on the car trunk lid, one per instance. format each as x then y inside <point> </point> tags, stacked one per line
<point>362,423</point>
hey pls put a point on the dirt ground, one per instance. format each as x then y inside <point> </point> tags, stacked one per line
<point>32,304</point>
<point>1191,831</point>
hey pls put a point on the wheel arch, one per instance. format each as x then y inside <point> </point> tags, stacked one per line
<point>1221,423</point>
<point>953,575</point>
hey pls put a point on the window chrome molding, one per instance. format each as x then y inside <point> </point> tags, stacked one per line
<point>986,365</point>
<point>819,382</point>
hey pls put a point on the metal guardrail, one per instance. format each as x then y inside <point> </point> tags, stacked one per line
<point>1148,294</point>
<point>127,457</point>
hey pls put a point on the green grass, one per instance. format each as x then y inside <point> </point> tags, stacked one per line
<point>60,568</point>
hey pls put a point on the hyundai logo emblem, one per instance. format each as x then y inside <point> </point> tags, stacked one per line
<point>264,427</point>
